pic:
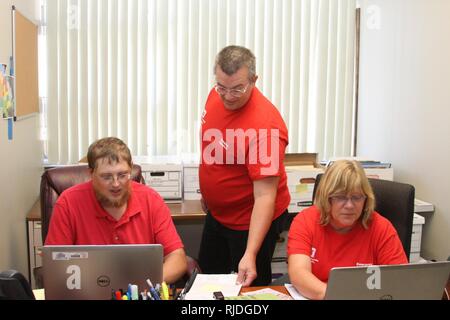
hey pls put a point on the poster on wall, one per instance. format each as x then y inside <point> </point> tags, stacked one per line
<point>6,93</point>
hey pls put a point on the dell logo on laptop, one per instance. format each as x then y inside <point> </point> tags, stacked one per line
<point>103,281</point>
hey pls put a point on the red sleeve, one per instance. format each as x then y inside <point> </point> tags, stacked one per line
<point>267,164</point>
<point>60,231</point>
<point>164,228</point>
<point>300,236</point>
<point>390,248</point>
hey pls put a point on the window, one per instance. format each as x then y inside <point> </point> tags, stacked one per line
<point>141,70</point>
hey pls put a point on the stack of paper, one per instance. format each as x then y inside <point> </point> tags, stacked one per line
<point>294,293</point>
<point>206,284</point>
<point>422,206</point>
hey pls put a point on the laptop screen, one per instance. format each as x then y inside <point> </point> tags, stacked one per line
<point>389,282</point>
<point>95,271</point>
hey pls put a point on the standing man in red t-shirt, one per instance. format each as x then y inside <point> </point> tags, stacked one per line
<point>242,176</point>
<point>112,209</point>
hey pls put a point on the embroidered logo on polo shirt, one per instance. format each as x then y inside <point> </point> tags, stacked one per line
<point>313,254</point>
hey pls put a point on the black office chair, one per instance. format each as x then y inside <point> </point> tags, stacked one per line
<point>394,201</point>
<point>14,286</point>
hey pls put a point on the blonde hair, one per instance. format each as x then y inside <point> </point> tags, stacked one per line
<point>344,176</point>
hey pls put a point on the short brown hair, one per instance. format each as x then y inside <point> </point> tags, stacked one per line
<point>111,148</point>
<point>230,59</point>
<point>344,176</point>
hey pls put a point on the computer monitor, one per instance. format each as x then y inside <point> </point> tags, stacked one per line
<point>94,271</point>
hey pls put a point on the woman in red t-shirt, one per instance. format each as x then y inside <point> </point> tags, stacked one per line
<point>340,230</point>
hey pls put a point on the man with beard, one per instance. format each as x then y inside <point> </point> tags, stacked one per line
<point>112,209</point>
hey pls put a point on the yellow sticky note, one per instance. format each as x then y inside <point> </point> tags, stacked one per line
<point>301,188</point>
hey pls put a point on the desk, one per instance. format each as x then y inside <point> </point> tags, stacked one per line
<point>40,293</point>
<point>34,239</point>
<point>187,210</point>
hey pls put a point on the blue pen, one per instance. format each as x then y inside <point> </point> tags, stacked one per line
<point>158,289</point>
<point>129,291</point>
<point>152,290</point>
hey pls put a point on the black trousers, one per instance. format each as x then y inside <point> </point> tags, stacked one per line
<point>222,248</point>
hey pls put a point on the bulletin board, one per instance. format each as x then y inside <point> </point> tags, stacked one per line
<point>25,55</point>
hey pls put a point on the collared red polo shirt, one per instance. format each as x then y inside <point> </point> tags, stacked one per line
<point>78,218</point>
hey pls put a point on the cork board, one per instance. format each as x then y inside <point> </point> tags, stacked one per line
<point>26,65</point>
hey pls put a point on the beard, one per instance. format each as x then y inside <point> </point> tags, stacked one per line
<point>108,202</point>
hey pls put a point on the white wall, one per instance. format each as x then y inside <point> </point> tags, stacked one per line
<point>20,158</point>
<point>404,102</point>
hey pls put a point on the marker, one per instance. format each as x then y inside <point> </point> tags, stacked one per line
<point>129,291</point>
<point>165,291</point>
<point>152,290</point>
<point>188,285</point>
<point>134,292</point>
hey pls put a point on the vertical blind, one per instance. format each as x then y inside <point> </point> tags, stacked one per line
<point>141,70</point>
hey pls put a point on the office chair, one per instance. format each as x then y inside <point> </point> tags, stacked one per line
<point>14,286</point>
<point>54,181</point>
<point>395,202</point>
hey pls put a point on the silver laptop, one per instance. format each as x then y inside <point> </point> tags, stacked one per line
<point>94,271</point>
<point>425,281</point>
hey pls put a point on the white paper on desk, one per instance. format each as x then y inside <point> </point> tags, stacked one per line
<point>206,284</point>
<point>294,293</point>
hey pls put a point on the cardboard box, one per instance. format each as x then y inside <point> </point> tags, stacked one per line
<point>416,237</point>
<point>164,175</point>
<point>380,173</point>
<point>191,185</point>
<point>298,206</point>
<point>301,170</point>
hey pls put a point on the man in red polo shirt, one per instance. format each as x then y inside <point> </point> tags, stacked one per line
<point>242,178</point>
<point>112,209</point>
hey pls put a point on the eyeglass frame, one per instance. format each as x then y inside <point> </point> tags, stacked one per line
<point>240,92</point>
<point>109,178</point>
<point>342,200</point>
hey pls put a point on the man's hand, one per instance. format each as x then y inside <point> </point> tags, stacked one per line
<point>247,270</point>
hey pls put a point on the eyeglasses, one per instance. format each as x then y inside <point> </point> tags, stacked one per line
<point>237,93</point>
<point>355,199</point>
<point>110,178</point>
